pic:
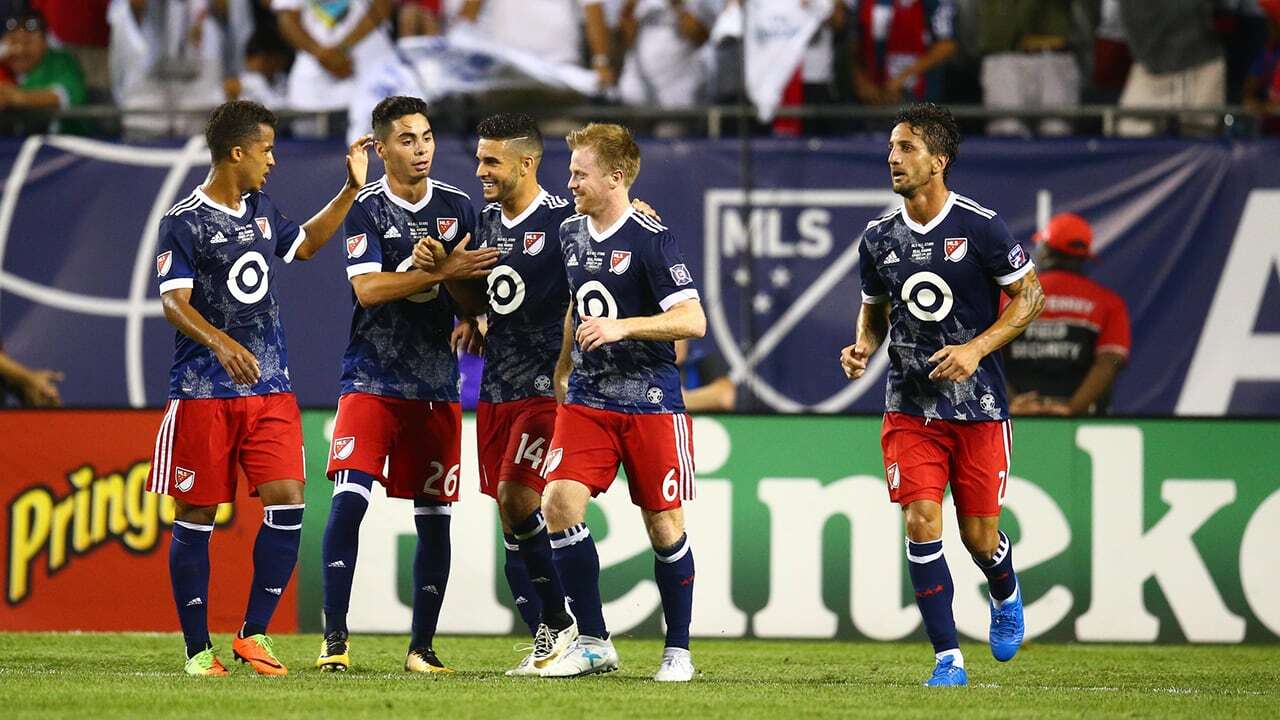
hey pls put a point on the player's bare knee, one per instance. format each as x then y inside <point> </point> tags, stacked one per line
<point>980,541</point>
<point>516,502</point>
<point>281,492</point>
<point>195,514</point>
<point>664,527</point>
<point>924,524</point>
<point>564,503</point>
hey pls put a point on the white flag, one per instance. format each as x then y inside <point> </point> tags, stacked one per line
<point>777,34</point>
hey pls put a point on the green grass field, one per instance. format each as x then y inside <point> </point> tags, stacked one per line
<point>92,675</point>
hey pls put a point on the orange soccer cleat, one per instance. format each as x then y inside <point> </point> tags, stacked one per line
<point>256,650</point>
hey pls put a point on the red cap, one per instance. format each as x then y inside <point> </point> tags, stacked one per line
<point>1069,234</point>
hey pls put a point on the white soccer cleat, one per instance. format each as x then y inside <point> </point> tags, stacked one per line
<point>549,645</point>
<point>677,666</point>
<point>526,667</point>
<point>584,656</point>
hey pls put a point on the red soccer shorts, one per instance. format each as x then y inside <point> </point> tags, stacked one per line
<point>513,438</point>
<point>203,443</point>
<point>921,456</point>
<point>655,450</point>
<point>418,442</point>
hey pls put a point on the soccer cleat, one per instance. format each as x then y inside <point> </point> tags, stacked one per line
<point>584,656</point>
<point>205,664</point>
<point>334,653</point>
<point>549,645</point>
<point>526,667</point>
<point>945,674</point>
<point>424,660</point>
<point>1007,626</point>
<point>677,666</point>
<point>258,653</point>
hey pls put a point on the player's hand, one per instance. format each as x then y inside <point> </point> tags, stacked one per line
<point>358,162</point>
<point>1027,403</point>
<point>428,254</point>
<point>466,264</point>
<point>597,332</point>
<point>337,62</point>
<point>645,208</point>
<point>239,363</point>
<point>39,389</point>
<point>955,362</point>
<point>854,358</point>
<point>467,337</point>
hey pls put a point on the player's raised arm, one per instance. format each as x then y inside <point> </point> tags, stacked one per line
<point>957,362</point>
<point>322,226</point>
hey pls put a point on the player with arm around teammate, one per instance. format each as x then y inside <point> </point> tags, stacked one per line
<point>399,406</point>
<point>932,273</point>
<point>231,407</point>
<point>632,296</point>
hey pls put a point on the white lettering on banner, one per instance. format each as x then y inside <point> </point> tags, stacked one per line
<point>1124,556</point>
<point>1046,534</point>
<point>1229,350</point>
<point>626,538</point>
<point>764,231</point>
<point>799,508</point>
<point>1258,574</point>
<point>710,525</point>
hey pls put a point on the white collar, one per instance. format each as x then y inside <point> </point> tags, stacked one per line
<point>608,232</point>
<point>935,222</point>
<point>411,207</point>
<point>244,207</point>
<point>524,214</point>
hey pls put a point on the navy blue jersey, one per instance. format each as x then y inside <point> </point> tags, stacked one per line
<point>225,258</point>
<point>943,282</point>
<point>633,269</point>
<point>401,348</point>
<point>528,296</point>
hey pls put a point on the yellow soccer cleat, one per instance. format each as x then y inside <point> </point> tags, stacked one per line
<point>334,653</point>
<point>257,652</point>
<point>205,664</point>
<point>424,660</point>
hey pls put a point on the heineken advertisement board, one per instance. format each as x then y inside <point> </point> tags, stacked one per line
<point>1139,531</point>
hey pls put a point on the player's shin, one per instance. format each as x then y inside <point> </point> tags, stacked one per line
<point>340,545</point>
<point>522,589</point>
<point>934,591</point>
<point>999,569</point>
<point>431,565</point>
<point>275,553</point>
<point>535,552</point>
<point>578,566</point>
<point>673,571</point>
<point>189,575</point>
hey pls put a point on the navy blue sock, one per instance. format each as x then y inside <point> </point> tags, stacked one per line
<point>342,543</point>
<point>673,569</point>
<point>578,566</point>
<point>522,591</point>
<point>275,552</point>
<point>932,582</point>
<point>189,574</point>
<point>535,551</point>
<point>430,569</point>
<point>999,570</point>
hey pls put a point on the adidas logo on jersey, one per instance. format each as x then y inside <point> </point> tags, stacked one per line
<point>337,564</point>
<point>891,258</point>
<point>218,238</point>
<point>392,233</point>
<point>274,591</point>
<point>572,261</point>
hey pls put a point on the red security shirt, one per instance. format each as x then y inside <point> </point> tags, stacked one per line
<point>1080,320</point>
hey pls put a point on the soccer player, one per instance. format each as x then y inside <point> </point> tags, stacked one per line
<point>633,296</point>
<point>399,406</point>
<point>231,407</point>
<point>932,273</point>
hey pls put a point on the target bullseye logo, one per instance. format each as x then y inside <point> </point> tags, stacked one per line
<point>247,278</point>
<point>595,300</point>
<point>928,296</point>
<point>405,266</point>
<point>506,290</point>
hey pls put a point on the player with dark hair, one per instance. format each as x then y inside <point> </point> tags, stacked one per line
<point>932,273</point>
<point>399,406</point>
<point>231,407</point>
<point>632,297</point>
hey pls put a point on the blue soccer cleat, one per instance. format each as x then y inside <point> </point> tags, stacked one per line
<point>946,674</point>
<point>1007,627</point>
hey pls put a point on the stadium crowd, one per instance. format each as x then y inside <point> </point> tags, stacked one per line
<point>309,56</point>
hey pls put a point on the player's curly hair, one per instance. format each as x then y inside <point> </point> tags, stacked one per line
<point>937,127</point>
<point>235,123</point>
<point>512,126</point>
<point>392,108</point>
<point>614,147</point>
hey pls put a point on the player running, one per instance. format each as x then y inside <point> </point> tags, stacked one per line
<point>633,296</point>
<point>231,407</point>
<point>399,421</point>
<point>932,273</point>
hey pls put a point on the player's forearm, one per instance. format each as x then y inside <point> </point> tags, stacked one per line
<point>1096,382</point>
<point>13,372</point>
<point>35,100</point>
<point>470,295</point>
<point>685,320</point>
<point>290,24</point>
<point>938,54</point>
<point>378,13</point>
<point>379,288</point>
<point>564,363</point>
<point>189,322</point>
<point>322,226</point>
<point>719,396</point>
<point>1026,304</point>
<point>597,32</point>
<point>873,326</point>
